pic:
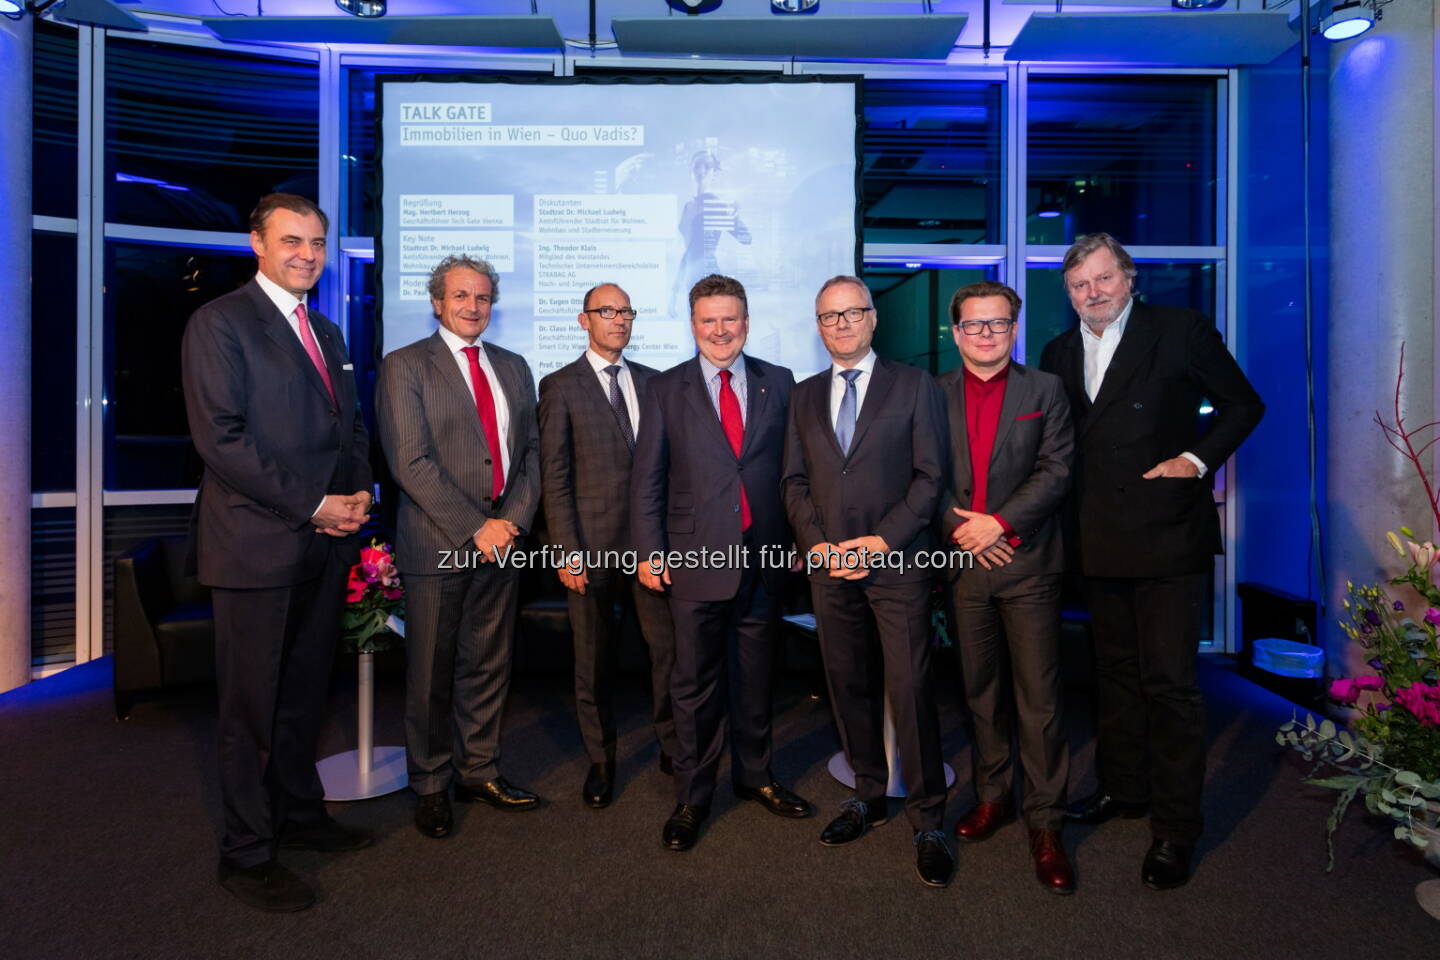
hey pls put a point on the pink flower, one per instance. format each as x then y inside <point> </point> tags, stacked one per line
<point>355,586</point>
<point>1423,555</point>
<point>1422,700</point>
<point>1432,617</point>
<point>394,593</point>
<point>1369,683</point>
<point>1344,690</point>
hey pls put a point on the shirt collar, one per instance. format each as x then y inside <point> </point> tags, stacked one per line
<point>455,343</point>
<point>600,363</point>
<point>865,366</point>
<point>998,378</point>
<point>1118,325</point>
<point>284,300</point>
<point>708,370</point>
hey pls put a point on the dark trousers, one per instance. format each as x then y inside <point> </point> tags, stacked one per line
<point>856,621</point>
<point>274,649</point>
<point>723,655</point>
<point>459,637</point>
<point>1148,706</point>
<point>1007,634</point>
<point>596,627</point>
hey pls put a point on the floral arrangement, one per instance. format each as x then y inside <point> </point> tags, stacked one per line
<point>374,601</point>
<point>1393,757</point>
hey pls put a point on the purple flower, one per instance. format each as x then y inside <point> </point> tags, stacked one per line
<point>1372,618</point>
<point>1432,617</point>
<point>1398,605</point>
<point>1365,628</point>
<point>1377,664</point>
<point>1381,707</point>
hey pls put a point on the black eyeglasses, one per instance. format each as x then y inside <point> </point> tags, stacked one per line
<point>610,313</point>
<point>852,315</point>
<point>973,328</point>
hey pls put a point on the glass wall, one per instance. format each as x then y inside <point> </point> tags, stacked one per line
<point>195,132</point>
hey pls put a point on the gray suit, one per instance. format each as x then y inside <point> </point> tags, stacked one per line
<point>460,615</point>
<point>585,467</point>
<point>1026,481</point>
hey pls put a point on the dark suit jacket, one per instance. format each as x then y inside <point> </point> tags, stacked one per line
<point>584,460</point>
<point>1147,411</point>
<point>1029,470</point>
<point>272,443</point>
<point>685,488</point>
<point>890,483</point>
<point>437,452</point>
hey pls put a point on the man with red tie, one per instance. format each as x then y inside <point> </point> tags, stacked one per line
<point>706,479</point>
<point>270,395</point>
<point>457,422</point>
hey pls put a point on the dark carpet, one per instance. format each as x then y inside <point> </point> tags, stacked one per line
<point>107,839</point>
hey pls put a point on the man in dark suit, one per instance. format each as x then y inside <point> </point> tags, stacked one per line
<point>1147,530</point>
<point>1010,452</point>
<point>589,417</point>
<point>457,422</point>
<point>707,478</point>
<point>864,471</point>
<point>270,395</point>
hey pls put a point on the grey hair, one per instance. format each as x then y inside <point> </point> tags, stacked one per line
<point>846,278</point>
<point>436,285</point>
<point>1091,242</point>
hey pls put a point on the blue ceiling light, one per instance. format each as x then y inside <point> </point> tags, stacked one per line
<point>794,6</point>
<point>1196,4</point>
<point>362,8</point>
<point>8,7</point>
<point>1347,20</point>
<point>693,7</point>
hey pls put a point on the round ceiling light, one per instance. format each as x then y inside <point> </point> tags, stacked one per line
<point>1347,20</point>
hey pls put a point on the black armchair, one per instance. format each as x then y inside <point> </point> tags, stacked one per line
<point>164,624</point>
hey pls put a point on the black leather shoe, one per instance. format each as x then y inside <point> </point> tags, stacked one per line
<point>499,794</point>
<point>327,837</point>
<point>267,886</point>
<point>1167,865</point>
<point>432,814</point>
<point>777,800</point>
<point>683,828</point>
<point>855,818</point>
<point>667,766</point>
<point>1100,806</point>
<point>933,860</point>
<point>599,785</point>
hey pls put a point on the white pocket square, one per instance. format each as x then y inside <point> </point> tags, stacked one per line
<point>347,366</point>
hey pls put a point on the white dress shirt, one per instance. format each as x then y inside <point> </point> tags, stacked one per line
<point>286,302</point>
<point>738,383</point>
<point>627,386</point>
<point>866,366</point>
<point>1100,350</point>
<point>502,409</point>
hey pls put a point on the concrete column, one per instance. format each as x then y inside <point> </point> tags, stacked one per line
<point>15,349</point>
<point>1382,294</point>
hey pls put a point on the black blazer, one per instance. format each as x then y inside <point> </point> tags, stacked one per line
<point>584,461</point>
<point>685,487</point>
<point>890,482</point>
<point>1029,470</point>
<point>273,444</point>
<point>1147,411</point>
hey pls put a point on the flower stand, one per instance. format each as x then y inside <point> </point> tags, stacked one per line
<point>367,771</point>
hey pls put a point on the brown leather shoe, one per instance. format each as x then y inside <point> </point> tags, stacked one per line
<point>982,822</point>
<point>1052,867</point>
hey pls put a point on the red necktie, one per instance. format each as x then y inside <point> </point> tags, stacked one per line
<point>734,429</point>
<point>485,406</point>
<point>313,348</point>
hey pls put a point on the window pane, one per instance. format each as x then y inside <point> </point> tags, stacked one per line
<point>911,306</point>
<point>194,137</point>
<point>52,362</point>
<point>52,586</point>
<point>360,338</point>
<point>55,111</point>
<point>1132,156</point>
<point>150,293</point>
<point>932,161</point>
<point>1048,313</point>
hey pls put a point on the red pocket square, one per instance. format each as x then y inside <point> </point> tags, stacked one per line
<point>1031,416</point>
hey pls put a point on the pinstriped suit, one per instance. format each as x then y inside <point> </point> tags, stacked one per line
<point>460,616</point>
<point>586,466</point>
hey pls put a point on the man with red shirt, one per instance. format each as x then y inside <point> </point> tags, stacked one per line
<point>1011,448</point>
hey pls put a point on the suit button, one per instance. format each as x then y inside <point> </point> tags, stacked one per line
<point>965,493</point>
<point>844,473</point>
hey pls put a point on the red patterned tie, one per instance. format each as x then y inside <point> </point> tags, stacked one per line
<point>313,348</point>
<point>485,406</point>
<point>734,428</point>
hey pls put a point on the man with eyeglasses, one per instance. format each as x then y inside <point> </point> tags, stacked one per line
<point>1147,532</point>
<point>589,418</point>
<point>1011,447</point>
<point>864,472</point>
